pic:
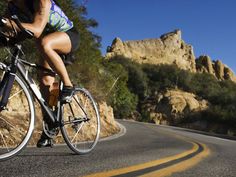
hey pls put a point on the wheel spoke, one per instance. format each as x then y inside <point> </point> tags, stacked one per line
<point>15,94</point>
<point>81,125</point>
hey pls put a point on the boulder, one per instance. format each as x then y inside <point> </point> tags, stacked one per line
<point>172,105</point>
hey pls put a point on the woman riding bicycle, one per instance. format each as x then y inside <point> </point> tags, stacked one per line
<point>61,40</point>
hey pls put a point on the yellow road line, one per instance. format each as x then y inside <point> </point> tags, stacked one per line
<point>184,165</point>
<point>174,168</point>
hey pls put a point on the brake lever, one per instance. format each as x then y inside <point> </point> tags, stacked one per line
<point>17,21</point>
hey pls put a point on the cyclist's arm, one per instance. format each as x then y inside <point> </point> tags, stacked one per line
<point>40,18</point>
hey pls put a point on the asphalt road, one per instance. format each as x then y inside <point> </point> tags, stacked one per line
<point>142,143</point>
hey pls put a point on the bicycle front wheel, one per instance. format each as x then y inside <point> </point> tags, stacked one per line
<point>16,120</point>
<point>81,122</point>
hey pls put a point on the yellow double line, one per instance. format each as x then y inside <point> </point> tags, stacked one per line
<point>177,163</point>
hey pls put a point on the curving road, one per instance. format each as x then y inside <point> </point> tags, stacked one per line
<point>145,149</point>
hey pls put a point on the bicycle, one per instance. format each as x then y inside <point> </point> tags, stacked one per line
<point>17,109</point>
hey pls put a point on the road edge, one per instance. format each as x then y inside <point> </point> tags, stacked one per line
<point>121,133</point>
<point>220,136</point>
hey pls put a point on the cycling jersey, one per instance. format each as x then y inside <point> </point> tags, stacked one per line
<point>58,20</point>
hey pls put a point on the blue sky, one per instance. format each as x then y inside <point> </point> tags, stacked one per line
<point>208,25</point>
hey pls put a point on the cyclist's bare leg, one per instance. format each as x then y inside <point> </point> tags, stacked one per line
<point>46,80</point>
<point>50,46</point>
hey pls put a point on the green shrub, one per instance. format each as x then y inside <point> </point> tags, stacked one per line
<point>118,95</point>
<point>124,102</point>
<point>137,79</point>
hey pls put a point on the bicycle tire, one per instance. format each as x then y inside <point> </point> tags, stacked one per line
<point>17,121</point>
<point>78,118</point>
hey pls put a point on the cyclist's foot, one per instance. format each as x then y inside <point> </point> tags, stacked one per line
<point>45,141</point>
<point>66,94</point>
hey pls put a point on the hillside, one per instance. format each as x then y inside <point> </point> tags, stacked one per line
<point>154,80</point>
<point>173,87</point>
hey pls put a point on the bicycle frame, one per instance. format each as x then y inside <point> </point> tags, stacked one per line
<point>6,84</point>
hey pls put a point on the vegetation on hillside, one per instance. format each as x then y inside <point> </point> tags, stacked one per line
<point>126,85</point>
<point>145,80</point>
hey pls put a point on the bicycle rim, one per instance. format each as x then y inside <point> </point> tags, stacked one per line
<point>81,122</point>
<point>16,121</point>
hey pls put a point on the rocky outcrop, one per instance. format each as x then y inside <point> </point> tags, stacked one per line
<point>169,49</point>
<point>204,64</point>
<point>172,105</point>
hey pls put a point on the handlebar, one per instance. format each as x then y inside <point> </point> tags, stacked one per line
<point>19,36</point>
<point>28,33</point>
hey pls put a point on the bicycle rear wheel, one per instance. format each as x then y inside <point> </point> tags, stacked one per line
<point>17,120</point>
<point>81,122</point>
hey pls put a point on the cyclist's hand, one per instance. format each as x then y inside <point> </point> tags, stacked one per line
<point>13,31</point>
<point>9,27</point>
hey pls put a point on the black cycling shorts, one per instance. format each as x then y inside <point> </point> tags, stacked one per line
<point>74,38</point>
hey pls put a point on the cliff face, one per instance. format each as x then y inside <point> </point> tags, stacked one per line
<point>169,49</point>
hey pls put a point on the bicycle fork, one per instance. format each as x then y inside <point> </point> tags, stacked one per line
<point>8,79</point>
<point>5,88</point>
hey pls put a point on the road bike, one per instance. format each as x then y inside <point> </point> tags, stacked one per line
<point>78,120</point>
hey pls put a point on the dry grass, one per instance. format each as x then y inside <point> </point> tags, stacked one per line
<point>15,120</point>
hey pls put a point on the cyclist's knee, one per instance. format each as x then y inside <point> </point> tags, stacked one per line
<point>45,45</point>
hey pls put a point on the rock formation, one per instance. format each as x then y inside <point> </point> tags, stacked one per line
<point>170,106</point>
<point>204,64</point>
<point>169,49</point>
